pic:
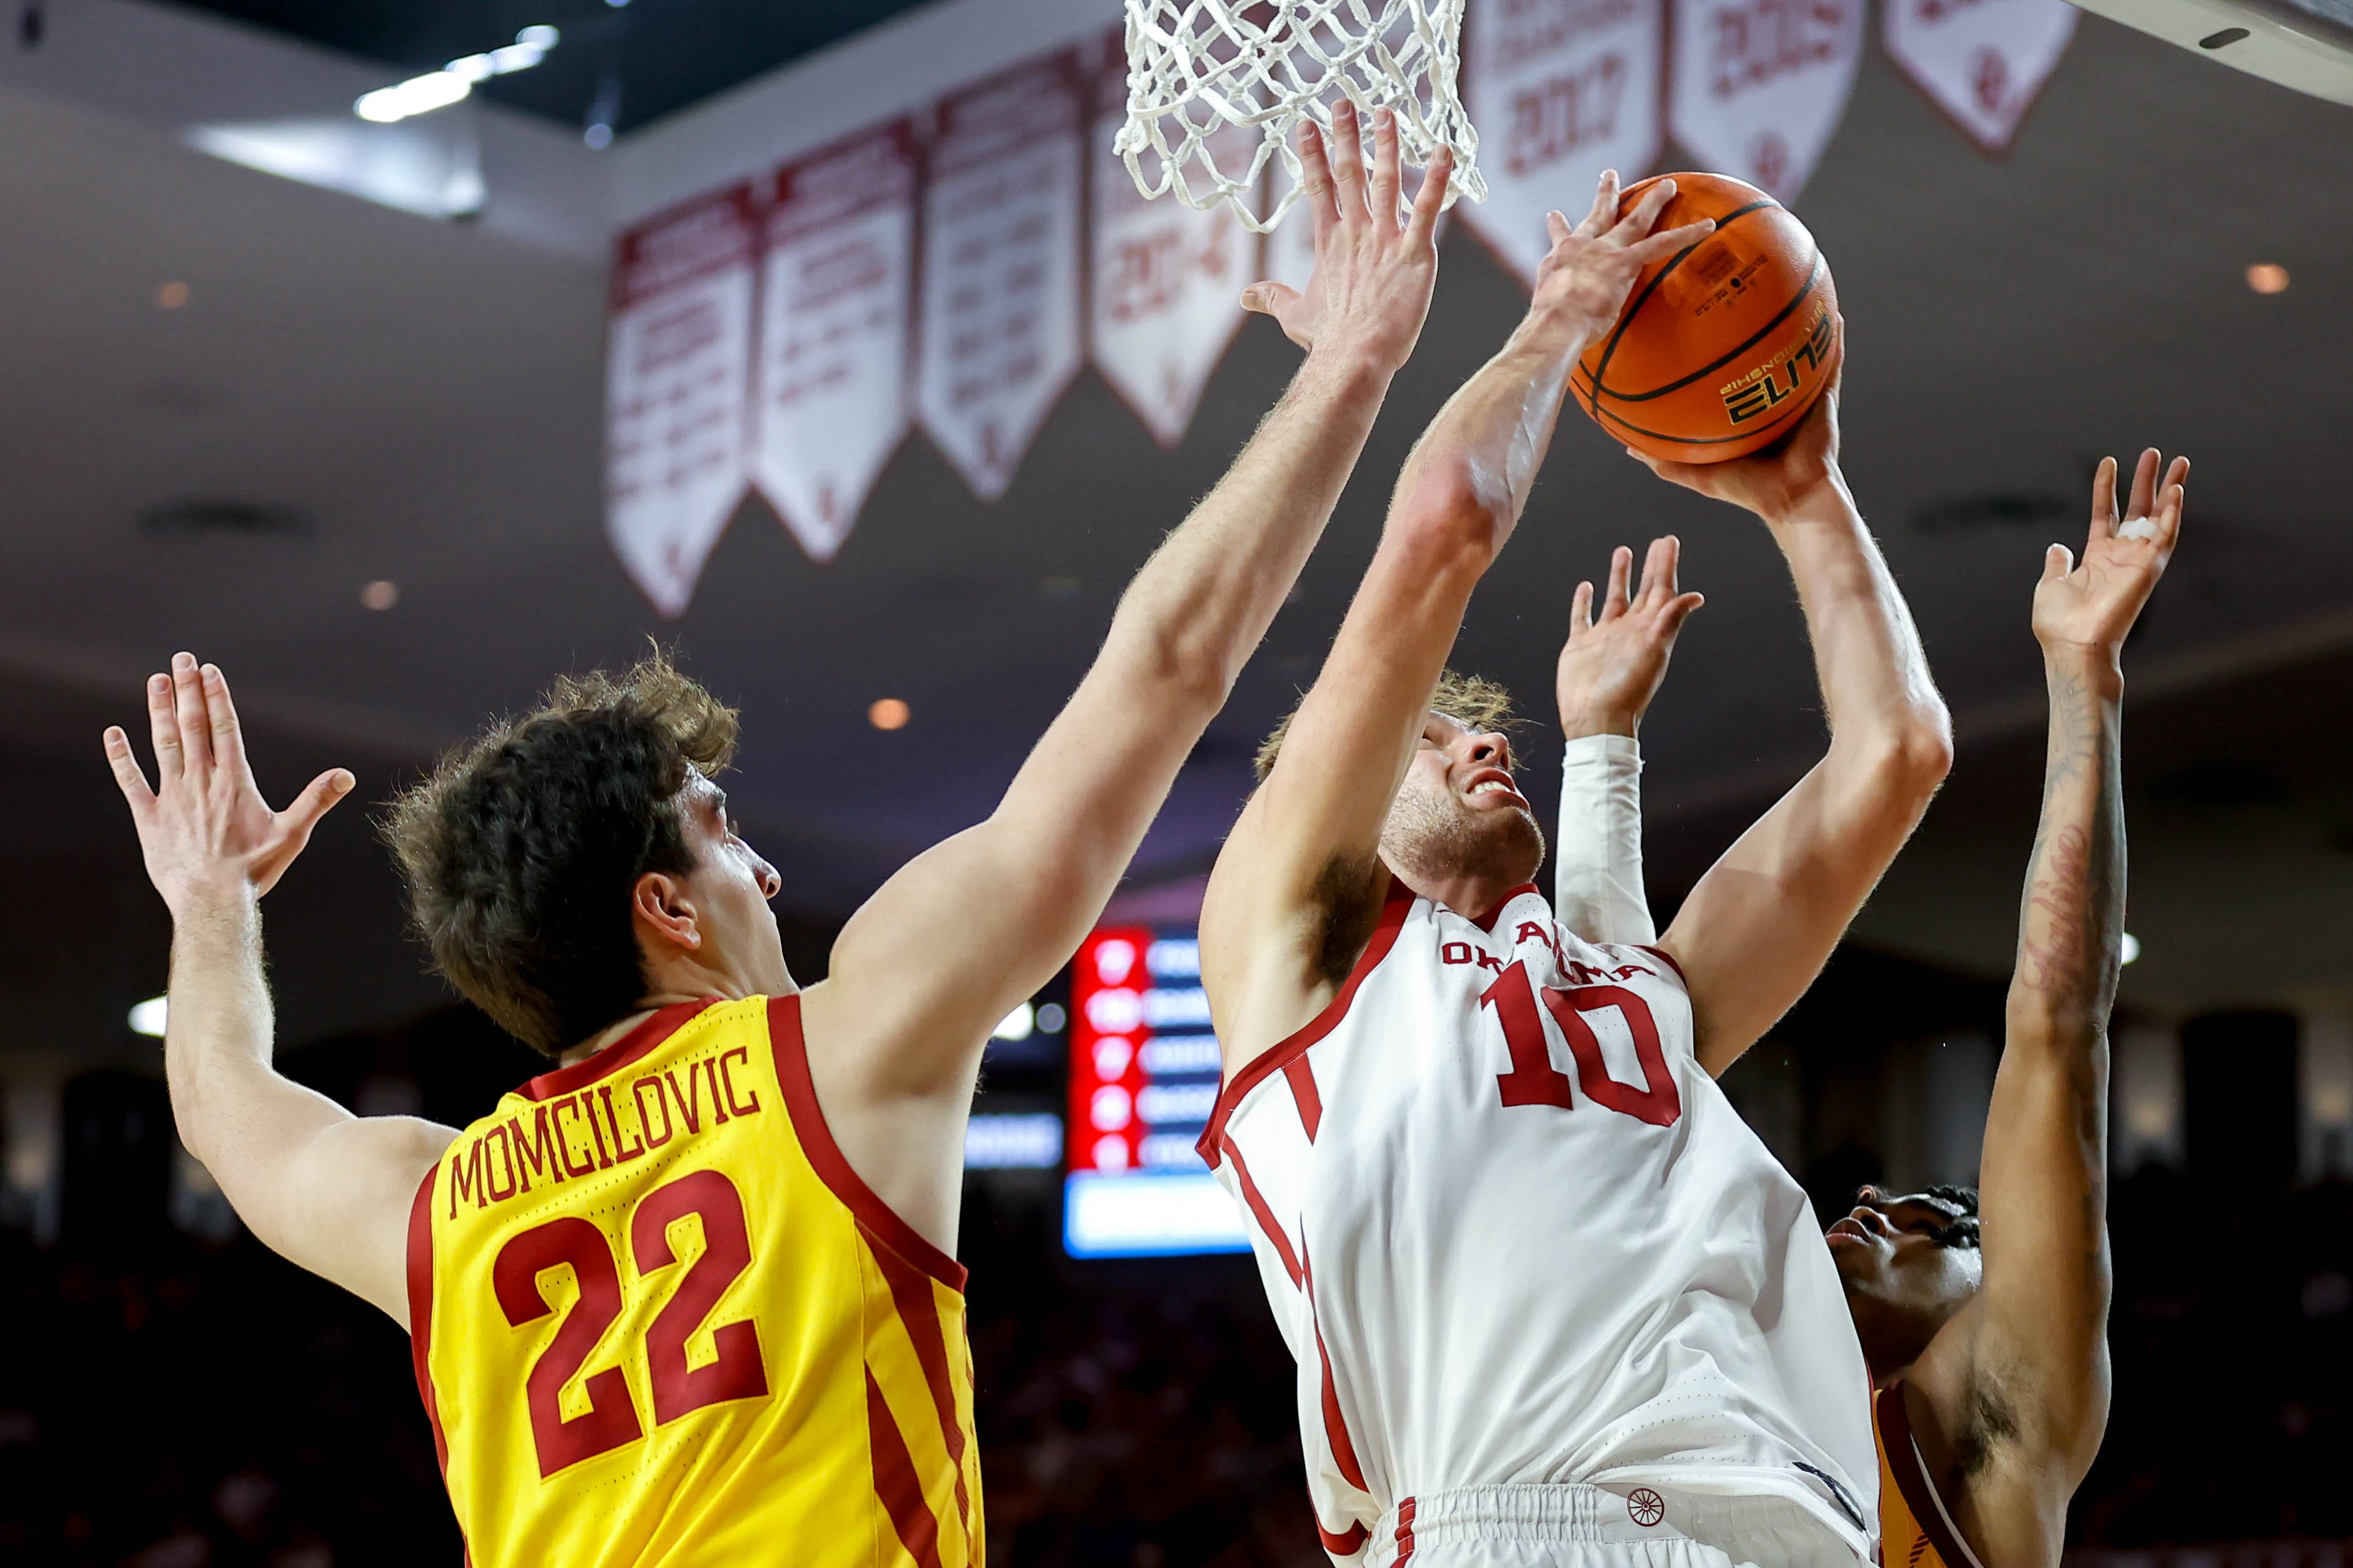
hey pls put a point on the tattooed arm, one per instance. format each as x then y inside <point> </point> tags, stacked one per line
<point>2016,1386</point>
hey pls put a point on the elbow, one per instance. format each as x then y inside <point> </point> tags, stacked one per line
<point>1907,758</point>
<point>1455,511</point>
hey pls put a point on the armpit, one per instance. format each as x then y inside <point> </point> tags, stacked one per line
<point>1346,910</point>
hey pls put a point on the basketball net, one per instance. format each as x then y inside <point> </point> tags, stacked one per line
<point>1204,75</point>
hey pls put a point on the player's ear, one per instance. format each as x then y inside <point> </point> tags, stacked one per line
<point>663,912</point>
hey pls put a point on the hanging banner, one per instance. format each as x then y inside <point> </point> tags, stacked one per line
<point>676,371</point>
<point>1167,279</point>
<point>1561,91</point>
<point>837,285</point>
<point>1980,61</point>
<point>1000,295</point>
<point>1755,88</point>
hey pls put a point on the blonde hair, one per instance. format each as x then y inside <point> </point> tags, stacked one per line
<point>1477,704</point>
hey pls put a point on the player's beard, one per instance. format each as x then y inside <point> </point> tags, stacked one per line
<point>1432,836</point>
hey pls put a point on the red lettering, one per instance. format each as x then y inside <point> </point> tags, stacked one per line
<point>645,1122</point>
<point>535,1156</point>
<point>1456,952</point>
<point>611,1418</point>
<point>506,1164</point>
<point>597,1132</point>
<point>1489,960</point>
<point>620,1155</point>
<point>734,1370</point>
<point>563,1143</point>
<point>460,1183</point>
<point>752,1100</point>
<point>688,1103</point>
<point>1533,1081</point>
<point>718,1100</point>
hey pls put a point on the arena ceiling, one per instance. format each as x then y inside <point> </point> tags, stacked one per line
<point>388,399</point>
<point>653,57</point>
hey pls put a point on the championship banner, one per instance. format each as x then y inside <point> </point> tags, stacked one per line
<point>1981,61</point>
<point>1561,91</point>
<point>677,365</point>
<point>836,287</point>
<point>1000,294</point>
<point>1168,280</point>
<point>1755,88</point>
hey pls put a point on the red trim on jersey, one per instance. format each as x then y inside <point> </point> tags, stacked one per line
<point>1663,956</point>
<point>1904,1464</point>
<point>1404,1534</point>
<point>1336,1425</point>
<point>877,1218</point>
<point>1283,1054</point>
<point>1265,1214</point>
<point>420,1306</point>
<point>1486,922</point>
<point>1303,1094</point>
<point>911,1292</point>
<point>1346,1545</point>
<point>629,1049</point>
<point>895,1482</point>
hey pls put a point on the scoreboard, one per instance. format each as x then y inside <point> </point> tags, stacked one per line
<point>1144,1078</point>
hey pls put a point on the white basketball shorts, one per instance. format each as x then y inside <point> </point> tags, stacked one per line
<point>1592,1527</point>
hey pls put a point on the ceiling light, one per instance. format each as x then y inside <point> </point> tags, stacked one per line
<point>452,83</point>
<point>889,713</point>
<point>380,595</point>
<point>2128,949</point>
<point>147,1017</point>
<point>598,136</point>
<point>2267,278</point>
<point>170,295</point>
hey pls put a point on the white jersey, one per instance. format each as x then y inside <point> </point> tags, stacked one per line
<point>1514,1233</point>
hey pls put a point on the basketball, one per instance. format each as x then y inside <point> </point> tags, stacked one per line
<point>1723,346</point>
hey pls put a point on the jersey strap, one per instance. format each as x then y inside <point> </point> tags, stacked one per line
<point>1292,1050</point>
<point>1911,1478</point>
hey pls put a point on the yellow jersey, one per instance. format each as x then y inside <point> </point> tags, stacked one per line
<point>1914,1530</point>
<point>657,1320</point>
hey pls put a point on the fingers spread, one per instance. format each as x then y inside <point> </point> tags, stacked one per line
<point>188,709</point>
<point>1580,611</point>
<point>321,796</point>
<point>1679,610</point>
<point>1659,570</point>
<point>2057,561</point>
<point>1432,199</point>
<point>1315,178</point>
<point>2144,484</point>
<point>126,772</point>
<point>163,729</point>
<point>1637,223</point>
<point>1621,567</point>
<point>1347,161</point>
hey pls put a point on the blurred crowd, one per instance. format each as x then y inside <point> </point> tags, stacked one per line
<point>179,1404</point>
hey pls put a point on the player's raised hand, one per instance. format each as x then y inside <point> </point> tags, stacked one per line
<point>1612,663</point>
<point>1374,269</point>
<point>1774,480</point>
<point>2092,604</point>
<point>202,826</point>
<point>1583,281</point>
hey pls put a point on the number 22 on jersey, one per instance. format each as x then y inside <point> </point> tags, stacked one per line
<point>679,1388</point>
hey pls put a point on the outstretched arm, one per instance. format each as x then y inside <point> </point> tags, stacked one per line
<point>327,1190</point>
<point>1609,669</point>
<point>1293,893</point>
<point>2033,1342</point>
<point>974,926</point>
<point>1761,924</point>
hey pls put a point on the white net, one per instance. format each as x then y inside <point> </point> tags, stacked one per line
<point>1196,69</point>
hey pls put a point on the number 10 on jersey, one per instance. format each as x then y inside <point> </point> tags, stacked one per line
<point>1534,1080</point>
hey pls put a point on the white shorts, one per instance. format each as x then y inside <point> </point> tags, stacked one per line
<point>1592,1527</point>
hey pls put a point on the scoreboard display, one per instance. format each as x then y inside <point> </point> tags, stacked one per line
<point>1144,1078</point>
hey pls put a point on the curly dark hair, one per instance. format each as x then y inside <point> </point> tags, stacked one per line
<point>521,847</point>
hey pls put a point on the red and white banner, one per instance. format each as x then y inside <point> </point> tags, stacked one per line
<point>1980,61</point>
<point>1755,88</point>
<point>837,294</point>
<point>1561,91</point>
<point>1001,296</point>
<point>678,365</point>
<point>1168,280</point>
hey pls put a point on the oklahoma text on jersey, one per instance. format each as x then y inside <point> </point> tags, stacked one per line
<point>658,1320</point>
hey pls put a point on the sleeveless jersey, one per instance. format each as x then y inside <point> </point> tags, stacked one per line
<point>1914,1529</point>
<point>1514,1233</point>
<point>657,1320</point>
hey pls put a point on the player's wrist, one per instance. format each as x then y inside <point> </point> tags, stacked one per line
<point>1819,497</point>
<point>1352,362</point>
<point>1578,721</point>
<point>210,897</point>
<point>2100,663</point>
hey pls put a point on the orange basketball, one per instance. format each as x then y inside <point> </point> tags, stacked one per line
<point>1720,347</point>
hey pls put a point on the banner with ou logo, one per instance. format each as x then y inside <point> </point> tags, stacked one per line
<point>1561,90</point>
<point>1981,61</point>
<point>1755,88</point>
<point>837,291</point>
<point>676,386</point>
